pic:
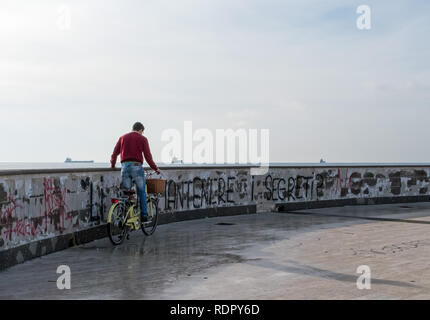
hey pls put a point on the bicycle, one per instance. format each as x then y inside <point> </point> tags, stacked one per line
<point>124,215</point>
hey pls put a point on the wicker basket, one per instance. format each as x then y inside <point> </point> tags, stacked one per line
<point>156,185</point>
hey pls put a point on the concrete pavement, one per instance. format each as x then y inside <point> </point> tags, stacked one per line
<point>308,254</point>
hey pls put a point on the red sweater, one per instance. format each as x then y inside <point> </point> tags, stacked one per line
<point>131,146</point>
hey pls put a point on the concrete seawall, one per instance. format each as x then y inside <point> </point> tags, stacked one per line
<point>42,211</point>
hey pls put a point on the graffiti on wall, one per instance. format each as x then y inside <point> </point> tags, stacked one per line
<point>286,186</point>
<point>338,184</point>
<point>292,188</point>
<point>200,193</point>
<point>55,207</point>
<point>47,206</point>
<point>49,209</point>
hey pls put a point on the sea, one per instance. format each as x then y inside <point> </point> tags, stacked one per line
<point>63,165</point>
<point>51,165</point>
<point>87,165</point>
<point>4,166</point>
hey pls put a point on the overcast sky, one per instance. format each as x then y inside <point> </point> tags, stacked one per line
<point>301,69</point>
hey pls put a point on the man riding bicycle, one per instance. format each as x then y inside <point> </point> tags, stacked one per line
<point>131,146</point>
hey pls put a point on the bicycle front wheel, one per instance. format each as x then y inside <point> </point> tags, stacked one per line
<point>116,227</point>
<point>149,227</point>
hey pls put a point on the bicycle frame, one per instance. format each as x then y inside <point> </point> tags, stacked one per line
<point>132,219</point>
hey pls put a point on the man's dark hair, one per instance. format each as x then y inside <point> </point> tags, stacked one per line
<point>138,126</point>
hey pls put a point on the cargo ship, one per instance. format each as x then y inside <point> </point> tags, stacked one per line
<point>69,160</point>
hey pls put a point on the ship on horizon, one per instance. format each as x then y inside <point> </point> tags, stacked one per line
<point>69,160</point>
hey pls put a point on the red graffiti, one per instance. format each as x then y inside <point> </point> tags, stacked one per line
<point>22,228</point>
<point>55,203</point>
<point>339,180</point>
<point>347,181</point>
<point>10,210</point>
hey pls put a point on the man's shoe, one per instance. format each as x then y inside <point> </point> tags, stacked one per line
<point>145,218</point>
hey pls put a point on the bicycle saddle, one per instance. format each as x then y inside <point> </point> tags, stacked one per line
<point>129,192</point>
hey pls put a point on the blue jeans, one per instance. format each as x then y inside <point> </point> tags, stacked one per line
<point>130,171</point>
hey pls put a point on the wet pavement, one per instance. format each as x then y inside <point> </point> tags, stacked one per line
<point>308,254</point>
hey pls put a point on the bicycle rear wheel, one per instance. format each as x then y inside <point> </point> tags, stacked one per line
<point>149,227</point>
<point>116,228</point>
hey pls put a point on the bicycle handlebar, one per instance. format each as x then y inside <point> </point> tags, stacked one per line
<point>154,172</point>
